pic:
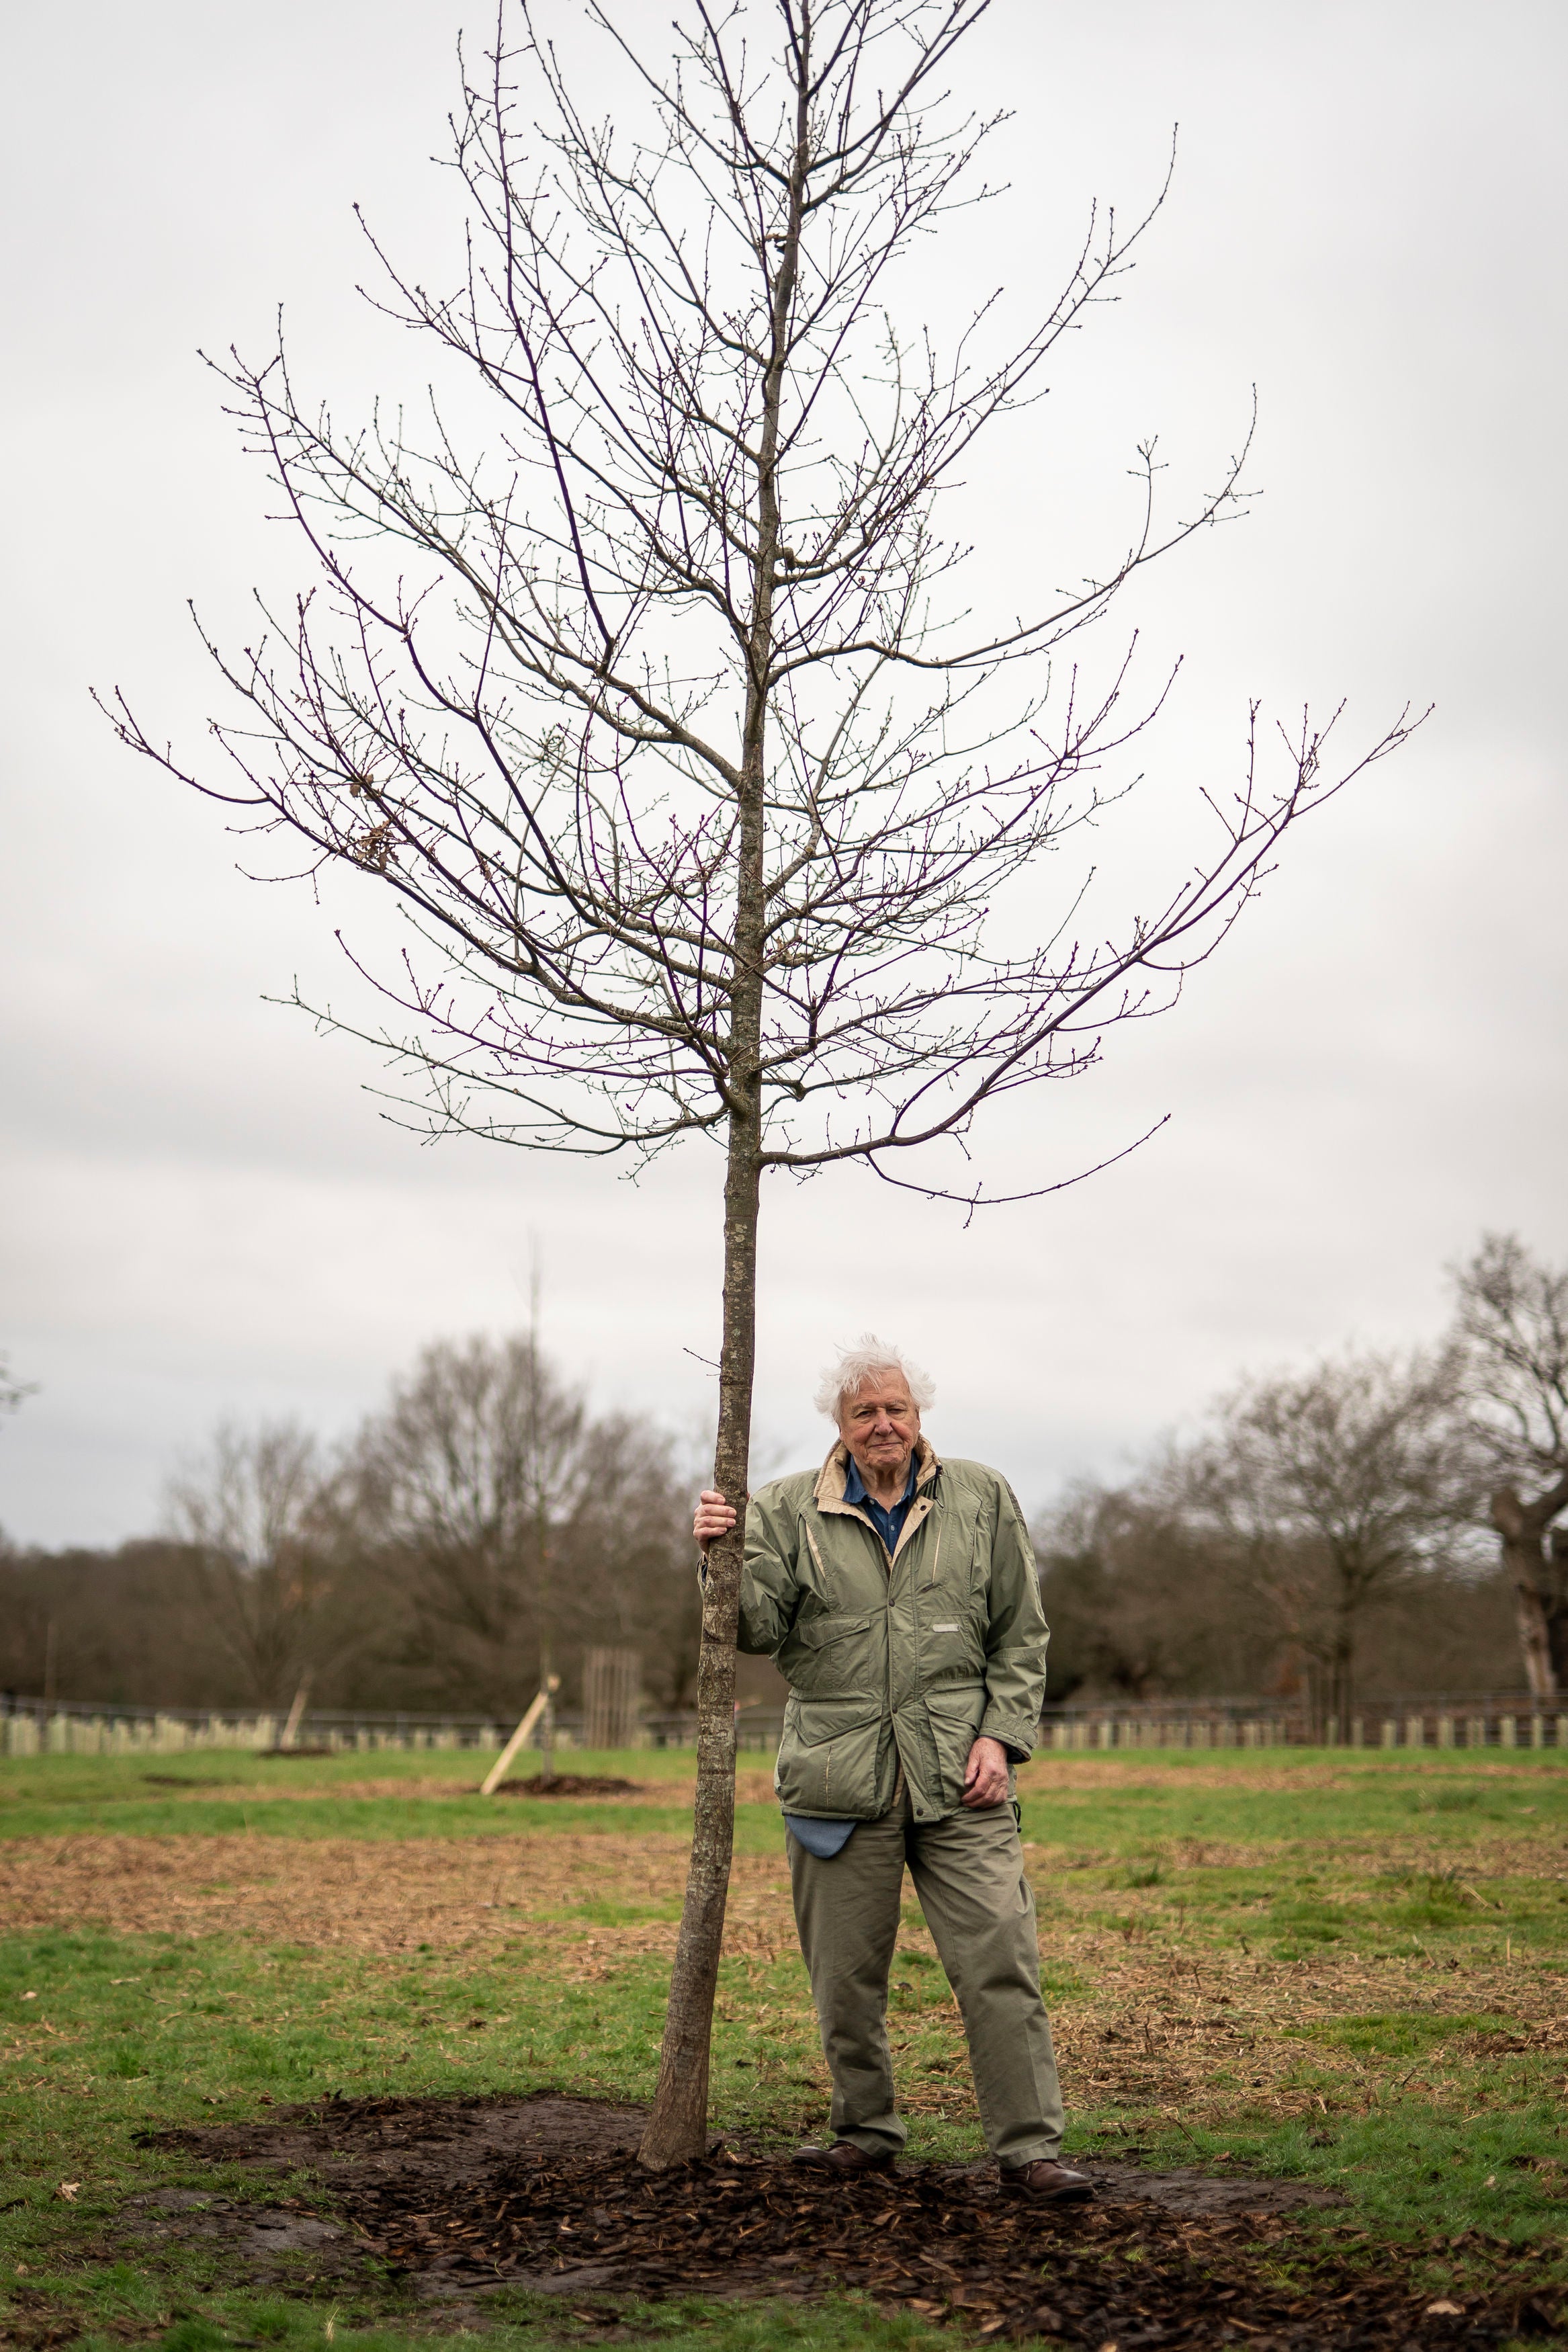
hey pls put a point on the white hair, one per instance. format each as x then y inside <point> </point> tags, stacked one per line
<point>862,1362</point>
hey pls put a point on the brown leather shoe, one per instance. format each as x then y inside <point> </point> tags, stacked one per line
<point>1046,2182</point>
<point>843,2157</point>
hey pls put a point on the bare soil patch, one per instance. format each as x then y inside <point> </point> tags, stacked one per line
<point>574,1784</point>
<point>672,1794</point>
<point>459,2200</point>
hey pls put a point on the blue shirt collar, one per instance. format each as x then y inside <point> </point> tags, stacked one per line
<point>856,1491</point>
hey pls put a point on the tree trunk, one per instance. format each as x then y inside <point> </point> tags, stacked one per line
<point>547,1719</point>
<point>1537,1612</point>
<point>1342,1674</point>
<point>1530,1620</point>
<point>1557,1609</point>
<point>677,2128</point>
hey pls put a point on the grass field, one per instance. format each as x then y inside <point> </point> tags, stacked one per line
<point>1350,1969</point>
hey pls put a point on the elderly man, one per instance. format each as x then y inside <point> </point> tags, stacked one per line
<point>897,1594</point>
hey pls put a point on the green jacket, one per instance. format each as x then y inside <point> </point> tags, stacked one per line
<point>894,1662</point>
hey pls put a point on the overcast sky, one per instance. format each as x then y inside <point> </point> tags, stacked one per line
<point>204,1211</point>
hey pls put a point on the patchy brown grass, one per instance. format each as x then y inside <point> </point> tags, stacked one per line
<point>387,1897</point>
<point>1278,1770</point>
<point>1152,2025</point>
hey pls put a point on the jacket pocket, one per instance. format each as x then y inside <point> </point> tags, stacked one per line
<point>828,1757</point>
<point>817,1632</point>
<point>956,1712</point>
<point>828,1657</point>
<point>951,1640</point>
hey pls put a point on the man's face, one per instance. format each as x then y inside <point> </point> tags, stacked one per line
<point>881,1426</point>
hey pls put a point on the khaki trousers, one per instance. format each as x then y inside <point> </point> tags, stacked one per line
<point>969,1873</point>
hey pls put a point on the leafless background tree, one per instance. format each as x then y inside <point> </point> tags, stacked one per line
<point>509,1521</point>
<point>1511,1332</point>
<point>463,1479</point>
<point>1334,1488</point>
<point>1145,1606</point>
<point>255,1516</point>
<point>397,1569</point>
<point>664,716</point>
<point>1323,1526</point>
<point>1144,1601</point>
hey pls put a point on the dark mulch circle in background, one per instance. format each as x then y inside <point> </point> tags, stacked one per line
<point>459,2199</point>
<point>572,1784</point>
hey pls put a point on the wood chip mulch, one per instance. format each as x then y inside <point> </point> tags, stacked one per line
<point>940,2242</point>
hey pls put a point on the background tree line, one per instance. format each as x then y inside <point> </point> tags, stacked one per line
<point>482,1518</point>
<point>1374,1523</point>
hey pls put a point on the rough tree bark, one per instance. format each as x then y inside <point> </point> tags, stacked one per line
<point>677,2128</point>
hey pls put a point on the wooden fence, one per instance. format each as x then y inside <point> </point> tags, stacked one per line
<point>31,1727</point>
<point>1405,1723</point>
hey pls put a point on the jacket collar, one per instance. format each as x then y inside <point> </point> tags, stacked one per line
<point>834,1476</point>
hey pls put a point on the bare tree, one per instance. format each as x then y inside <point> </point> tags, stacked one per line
<point>625,1555</point>
<point>664,718</point>
<point>403,1571</point>
<point>1142,1595</point>
<point>1151,1594</point>
<point>255,1510</point>
<point>1511,1326</point>
<point>1334,1486</point>
<point>463,1479</point>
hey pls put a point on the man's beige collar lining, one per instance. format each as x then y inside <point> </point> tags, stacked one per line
<point>834,1476</point>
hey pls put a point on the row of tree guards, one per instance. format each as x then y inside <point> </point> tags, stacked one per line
<point>31,1727</point>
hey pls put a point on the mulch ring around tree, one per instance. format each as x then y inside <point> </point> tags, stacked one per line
<point>457,2199</point>
<point>572,1784</point>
